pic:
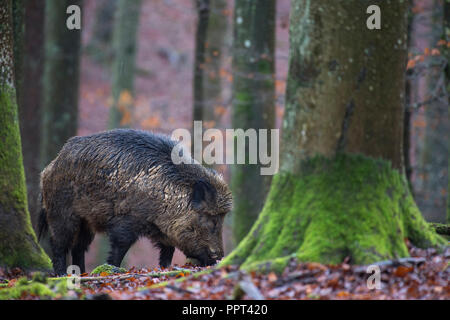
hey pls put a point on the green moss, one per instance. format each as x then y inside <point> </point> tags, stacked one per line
<point>11,174</point>
<point>351,206</point>
<point>40,277</point>
<point>246,207</point>
<point>35,288</point>
<point>109,269</point>
<point>39,287</point>
<point>18,247</point>
<point>60,287</point>
<point>24,287</point>
<point>276,264</point>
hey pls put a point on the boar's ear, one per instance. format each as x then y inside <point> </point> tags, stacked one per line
<point>202,193</point>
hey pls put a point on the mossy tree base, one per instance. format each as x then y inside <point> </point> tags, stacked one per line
<point>18,244</point>
<point>348,207</point>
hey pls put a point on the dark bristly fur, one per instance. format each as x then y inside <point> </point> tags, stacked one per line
<point>123,182</point>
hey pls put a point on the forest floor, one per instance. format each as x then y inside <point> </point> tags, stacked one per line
<point>425,275</point>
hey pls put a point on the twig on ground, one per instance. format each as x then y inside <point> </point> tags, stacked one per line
<point>131,275</point>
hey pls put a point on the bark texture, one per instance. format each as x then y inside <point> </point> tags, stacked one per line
<point>30,112</point>
<point>61,79</point>
<point>253,102</point>
<point>124,62</point>
<point>203,10</point>
<point>430,141</point>
<point>18,245</point>
<point>18,27</point>
<point>100,45</point>
<point>216,39</point>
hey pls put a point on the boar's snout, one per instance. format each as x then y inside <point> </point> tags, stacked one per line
<point>209,256</point>
<point>215,254</point>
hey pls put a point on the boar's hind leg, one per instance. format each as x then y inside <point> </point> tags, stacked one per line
<point>165,255</point>
<point>84,239</point>
<point>121,239</point>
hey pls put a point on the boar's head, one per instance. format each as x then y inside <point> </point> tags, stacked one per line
<point>198,231</point>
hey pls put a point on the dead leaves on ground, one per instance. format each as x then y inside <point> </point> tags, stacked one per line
<point>425,276</point>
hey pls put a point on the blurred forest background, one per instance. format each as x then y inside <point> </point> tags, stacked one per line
<point>158,64</point>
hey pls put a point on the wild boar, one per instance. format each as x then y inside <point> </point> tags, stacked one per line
<point>123,182</point>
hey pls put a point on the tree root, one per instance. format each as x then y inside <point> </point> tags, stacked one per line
<point>441,228</point>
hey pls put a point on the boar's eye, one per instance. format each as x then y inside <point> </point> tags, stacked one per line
<point>208,221</point>
<point>212,224</point>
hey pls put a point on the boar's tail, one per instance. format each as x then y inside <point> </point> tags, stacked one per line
<point>42,221</point>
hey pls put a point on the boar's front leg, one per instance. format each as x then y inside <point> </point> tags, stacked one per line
<point>59,257</point>
<point>165,254</point>
<point>121,239</point>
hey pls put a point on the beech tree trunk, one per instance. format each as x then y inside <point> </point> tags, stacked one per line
<point>18,10</point>
<point>253,102</point>
<point>124,62</point>
<point>209,48</point>
<point>430,140</point>
<point>30,105</point>
<point>341,192</point>
<point>61,79</point>
<point>216,37</point>
<point>203,10</point>
<point>18,244</point>
<point>446,35</point>
<point>100,45</point>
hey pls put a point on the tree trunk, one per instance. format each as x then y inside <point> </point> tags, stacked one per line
<point>18,245</point>
<point>30,105</point>
<point>18,30</point>
<point>100,44</point>
<point>408,109</point>
<point>214,53</point>
<point>214,83</point>
<point>253,102</point>
<point>430,176</point>
<point>209,47</point>
<point>341,191</point>
<point>61,79</point>
<point>203,10</point>
<point>124,62</point>
<point>446,36</point>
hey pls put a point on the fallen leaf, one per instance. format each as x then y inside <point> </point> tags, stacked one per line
<point>272,277</point>
<point>402,271</point>
<point>342,294</point>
